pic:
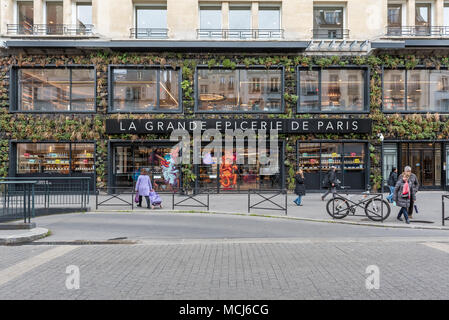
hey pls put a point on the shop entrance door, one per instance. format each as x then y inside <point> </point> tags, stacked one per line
<point>425,161</point>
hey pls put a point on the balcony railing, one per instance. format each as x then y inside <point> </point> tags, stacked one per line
<point>149,33</point>
<point>330,33</point>
<point>240,33</point>
<point>418,31</point>
<point>50,29</point>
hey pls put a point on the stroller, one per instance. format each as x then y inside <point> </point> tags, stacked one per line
<point>155,199</point>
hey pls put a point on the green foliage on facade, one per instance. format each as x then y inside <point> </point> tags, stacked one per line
<point>76,127</point>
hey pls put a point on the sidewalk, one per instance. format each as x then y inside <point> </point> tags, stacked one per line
<point>11,237</point>
<point>428,203</point>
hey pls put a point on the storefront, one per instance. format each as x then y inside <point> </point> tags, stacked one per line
<point>127,159</point>
<point>428,161</point>
<point>53,159</point>
<point>255,171</point>
<point>350,158</point>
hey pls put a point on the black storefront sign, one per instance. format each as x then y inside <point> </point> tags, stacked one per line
<point>294,126</point>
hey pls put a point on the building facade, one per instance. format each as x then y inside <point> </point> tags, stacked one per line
<point>84,86</point>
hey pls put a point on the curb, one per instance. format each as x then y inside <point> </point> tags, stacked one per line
<point>34,234</point>
<point>365,224</point>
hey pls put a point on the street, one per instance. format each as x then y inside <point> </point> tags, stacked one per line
<point>203,256</point>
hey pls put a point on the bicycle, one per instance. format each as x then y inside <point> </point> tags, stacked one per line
<point>375,208</point>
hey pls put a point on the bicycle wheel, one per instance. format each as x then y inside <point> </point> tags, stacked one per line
<point>374,208</point>
<point>337,208</point>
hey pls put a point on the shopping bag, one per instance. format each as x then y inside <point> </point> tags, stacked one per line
<point>136,198</point>
<point>155,198</point>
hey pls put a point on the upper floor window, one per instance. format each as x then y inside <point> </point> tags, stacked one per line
<point>328,23</point>
<point>145,90</point>
<point>333,90</point>
<point>446,15</point>
<point>240,22</point>
<point>54,17</point>
<point>423,18</point>
<point>269,22</point>
<point>25,17</point>
<point>53,89</point>
<point>417,90</point>
<point>83,15</point>
<point>151,17</point>
<point>151,22</point>
<point>240,90</point>
<point>210,17</point>
<point>394,19</point>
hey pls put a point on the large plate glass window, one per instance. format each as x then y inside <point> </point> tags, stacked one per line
<point>333,90</point>
<point>240,90</point>
<point>316,159</point>
<point>55,158</point>
<point>426,90</point>
<point>145,90</point>
<point>55,90</point>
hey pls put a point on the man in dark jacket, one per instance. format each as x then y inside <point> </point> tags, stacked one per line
<point>414,185</point>
<point>330,182</point>
<point>392,180</point>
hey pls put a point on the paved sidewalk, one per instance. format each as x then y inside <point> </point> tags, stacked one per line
<point>428,203</point>
<point>9,237</point>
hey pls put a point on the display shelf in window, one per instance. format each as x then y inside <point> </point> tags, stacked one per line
<point>309,161</point>
<point>330,159</point>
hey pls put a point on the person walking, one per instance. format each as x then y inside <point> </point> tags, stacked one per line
<point>403,195</point>
<point>300,187</point>
<point>413,181</point>
<point>143,187</point>
<point>392,180</point>
<point>330,182</point>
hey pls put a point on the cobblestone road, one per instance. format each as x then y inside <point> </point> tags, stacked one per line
<point>233,269</point>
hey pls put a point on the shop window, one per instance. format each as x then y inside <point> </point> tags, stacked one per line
<point>129,160</point>
<point>240,90</point>
<point>54,90</point>
<point>55,158</point>
<point>145,90</point>
<point>316,159</point>
<point>426,90</point>
<point>333,90</point>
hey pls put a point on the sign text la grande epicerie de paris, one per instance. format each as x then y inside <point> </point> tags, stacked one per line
<point>145,126</point>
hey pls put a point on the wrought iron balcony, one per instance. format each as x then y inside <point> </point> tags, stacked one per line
<point>418,31</point>
<point>330,33</point>
<point>50,29</point>
<point>149,33</point>
<point>240,33</point>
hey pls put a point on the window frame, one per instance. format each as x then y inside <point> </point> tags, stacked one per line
<point>239,67</point>
<point>14,87</point>
<point>111,68</point>
<point>366,88</point>
<point>13,149</point>
<point>406,111</point>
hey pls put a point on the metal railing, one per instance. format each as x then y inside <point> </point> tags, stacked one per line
<point>149,33</point>
<point>443,208</point>
<point>199,198</point>
<point>17,200</point>
<point>68,193</point>
<point>267,196</point>
<point>330,33</point>
<point>240,33</point>
<point>50,29</point>
<point>418,31</point>
<point>115,196</point>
